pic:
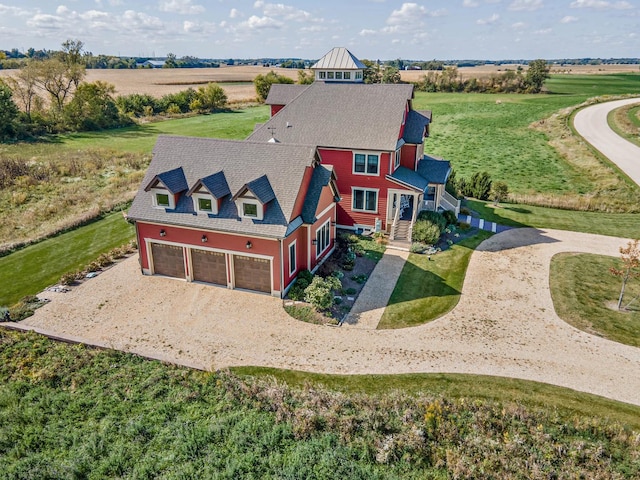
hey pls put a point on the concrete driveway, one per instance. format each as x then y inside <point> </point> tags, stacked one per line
<point>591,124</point>
<point>505,324</point>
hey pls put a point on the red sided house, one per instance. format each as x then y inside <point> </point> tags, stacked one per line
<point>252,214</point>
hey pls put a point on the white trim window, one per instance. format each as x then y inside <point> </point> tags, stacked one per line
<point>322,75</point>
<point>364,200</point>
<point>163,198</point>
<point>251,209</point>
<point>293,259</point>
<point>398,156</point>
<point>323,238</point>
<point>366,163</point>
<point>205,204</point>
<point>347,75</point>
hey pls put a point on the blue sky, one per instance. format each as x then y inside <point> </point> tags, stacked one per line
<point>374,29</point>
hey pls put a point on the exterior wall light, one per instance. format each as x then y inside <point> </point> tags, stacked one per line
<point>314,242</point>
<point>249,244</point>
<point>163,233</point>
<point>204,239</point>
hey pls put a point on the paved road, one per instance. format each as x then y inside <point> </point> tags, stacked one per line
<point>591,123</point>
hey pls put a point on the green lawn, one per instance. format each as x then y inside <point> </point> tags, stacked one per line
<point>237,124</point>
<point>427,289</point>
<point>626,225</point>
<point>492,132</point>
<point>585,295</point>
<point>31,269</point>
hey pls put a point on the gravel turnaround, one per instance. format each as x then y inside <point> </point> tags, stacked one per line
<point>505,324</point>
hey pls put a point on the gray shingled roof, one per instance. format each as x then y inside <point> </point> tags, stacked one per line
<point>241,162</point>
<point>283,93</point>
<point>259,188</point>
<point>434,170</point>
<point>339,58</point>
<point>414,127</point>
<point>173,179</point>
<point>354,116</point>
<point>321,178</point>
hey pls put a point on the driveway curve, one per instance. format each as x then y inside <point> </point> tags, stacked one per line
<point>505,324</point>
<point>591,123</point>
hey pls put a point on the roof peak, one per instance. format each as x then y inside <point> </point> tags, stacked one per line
<point>339,58</point>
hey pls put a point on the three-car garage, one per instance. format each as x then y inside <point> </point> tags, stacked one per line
<point>211,266</point>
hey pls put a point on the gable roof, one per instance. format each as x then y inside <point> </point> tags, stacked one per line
<point>173,180</point>
<point>350,116</point>
<point>283,93</point>
<point>322,176</point>
<point>279,167</point>
<point>260,188</point>
<point>215,184</point>
<point>414,128</point>
<point>339,58</point>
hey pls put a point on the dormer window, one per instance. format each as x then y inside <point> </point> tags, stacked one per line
<point>205,203</point>
<point>250,208</point>
<point>163,199</point>
<point>252,199</point>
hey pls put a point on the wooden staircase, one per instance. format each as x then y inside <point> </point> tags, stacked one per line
<point>401,231</point>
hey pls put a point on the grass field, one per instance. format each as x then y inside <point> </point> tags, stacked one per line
<point>625,121</point>
<point>30,270</point>
<point>585,295</point>
<point>626,225</point>
<point>73,412</point>
<point>493,133</point>
<point>429,286</point>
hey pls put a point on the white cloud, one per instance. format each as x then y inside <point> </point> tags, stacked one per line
<point>140,20</point>
<point>409,13</point>
<point>286,13</point>
<point>488,21</point>
<point>518,25</point>
<point>367,31</point>
<point>17,11</point>
<point>45,21</point>
<point>183,7</point>
<point>528,5</point>
<point>601,4</point>
<point>260,23</point>
<point>544,31</point>
<point>470,3</point>
<point>235,13</point>
<point>569,19</point>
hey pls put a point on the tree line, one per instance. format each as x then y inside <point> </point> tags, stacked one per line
<point>49,96</point>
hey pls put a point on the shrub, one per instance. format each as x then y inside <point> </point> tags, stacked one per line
<point>480,185</point>
<point>417,247</point>
<point>304,278</point>
<point>425,232</point>
<point>464,226</point>
<point>450,217</point>
<point>435,218</point>
<point>70,278</point>
<point>499,192</point>
<point>320,292</point>
<point>25,308</point>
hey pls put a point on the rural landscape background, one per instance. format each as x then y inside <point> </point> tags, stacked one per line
<point>68,411</point>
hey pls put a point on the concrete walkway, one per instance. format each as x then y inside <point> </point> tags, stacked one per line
<point>591,123</point>
<point>370,304</point>
<point>483,224</point>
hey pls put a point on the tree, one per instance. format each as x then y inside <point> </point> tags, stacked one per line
<point>93,108</point>
<point>8,112</point>
<point>304,77</point>
<point>499,191</point>
<point>536,75</point>
<point>263,83</point>
<point>371,73</point>
<point>630,257</point>
<point>170,61</point>
<point>57,78</point>
<point>209,98</point>
<point>24,86</point>
<point>391,75</point>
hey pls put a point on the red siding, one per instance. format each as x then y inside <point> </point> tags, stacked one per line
<point>342,161</point>
<point>300,236</point>
<point>329,215</point>
<point>404,122</point>
<point>302,193</point>
<point>188,237</point>
<point>408,156</point>
<point>275,109</point>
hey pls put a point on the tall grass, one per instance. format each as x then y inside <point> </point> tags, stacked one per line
<point>72,412</point>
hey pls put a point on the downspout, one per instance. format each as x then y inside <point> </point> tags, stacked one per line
<point>282,268</point>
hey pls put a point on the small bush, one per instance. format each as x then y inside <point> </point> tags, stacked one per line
<point>450,217</point>
<point>480,185</point>
<point>464,226</point>
<point>434,217</point>
<point>417,247</point>
<point>70,278</point>
<point>350,291</point>
<point>425,232</point>
<point>320,292</point>
<point>359,278</point>
<point>465,211</point>
<point>25,308</point>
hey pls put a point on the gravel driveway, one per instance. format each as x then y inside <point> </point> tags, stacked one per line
<point>591,123</point>
<point>505,324</point>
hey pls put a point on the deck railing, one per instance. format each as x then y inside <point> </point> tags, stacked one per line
<point>449,202</point>
<point>396,216</point>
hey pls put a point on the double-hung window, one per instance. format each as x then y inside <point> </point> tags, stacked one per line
<point>323,238</point>
<point>366,163</point>
<point>365,200</point>
<point>292,258</point>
